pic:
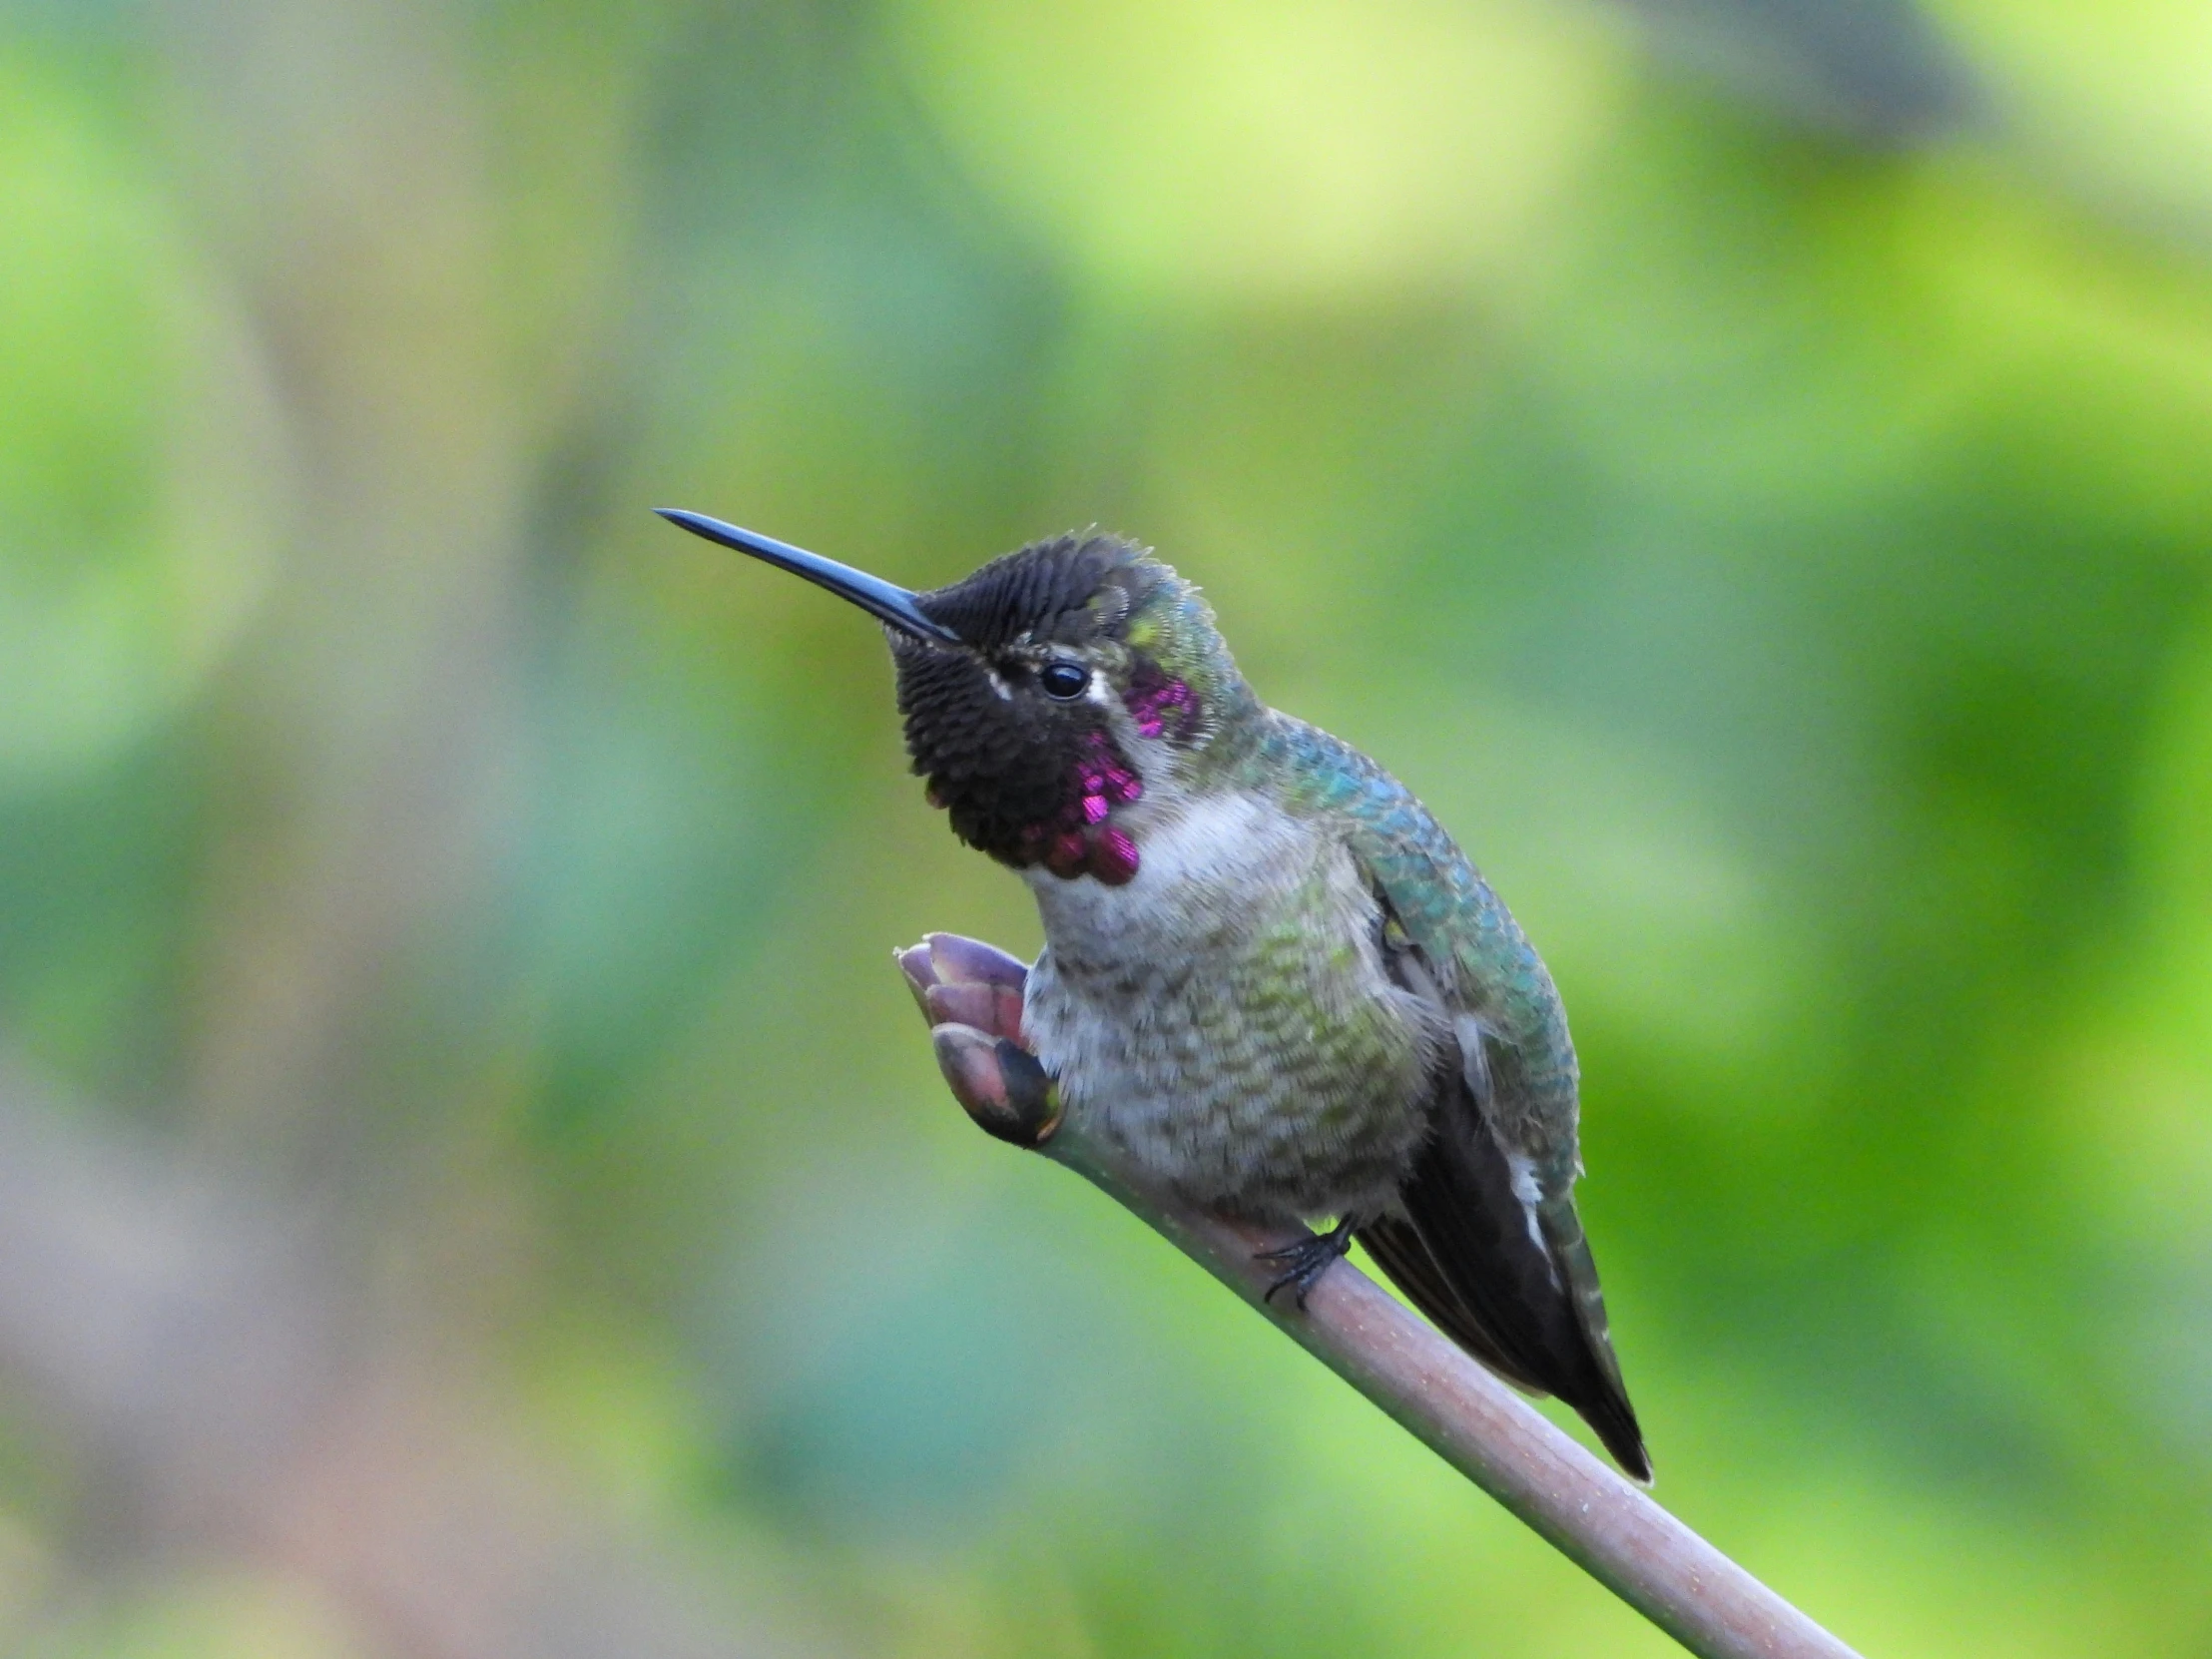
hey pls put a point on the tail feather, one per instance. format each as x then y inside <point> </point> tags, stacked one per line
<point>1398,1250</point>
<point>1528,1307</point>
<point>1571,1250</point>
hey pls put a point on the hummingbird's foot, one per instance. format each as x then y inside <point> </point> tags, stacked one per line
<point>1306,1260</point>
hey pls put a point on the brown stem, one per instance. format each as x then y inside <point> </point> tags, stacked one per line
<point>1466,1416</point>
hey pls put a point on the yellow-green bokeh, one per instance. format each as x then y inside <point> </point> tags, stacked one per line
<point>1772,535</point>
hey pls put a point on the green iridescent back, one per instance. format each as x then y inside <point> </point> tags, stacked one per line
<point>1487,965</point>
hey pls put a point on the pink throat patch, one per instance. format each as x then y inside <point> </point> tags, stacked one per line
<point>1161,707</point>
<point>1078,839</point>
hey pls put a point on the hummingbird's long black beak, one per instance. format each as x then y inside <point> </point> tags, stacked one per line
<point>873,594</point>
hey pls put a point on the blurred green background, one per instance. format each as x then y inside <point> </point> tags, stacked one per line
<point>470,1181</point>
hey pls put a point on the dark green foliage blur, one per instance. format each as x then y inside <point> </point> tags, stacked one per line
<point>1748,467</point>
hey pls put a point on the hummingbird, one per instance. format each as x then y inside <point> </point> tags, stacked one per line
<point>1270,980</point>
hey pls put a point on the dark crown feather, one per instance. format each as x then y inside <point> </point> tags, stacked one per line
<point>1043,590</point>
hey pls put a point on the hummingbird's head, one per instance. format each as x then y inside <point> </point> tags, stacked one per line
<point>1048,693</point>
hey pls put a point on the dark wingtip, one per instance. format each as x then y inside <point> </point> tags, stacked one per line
<point>1614,1422</point>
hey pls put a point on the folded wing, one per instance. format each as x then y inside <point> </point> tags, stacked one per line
<point>1488,1246</point>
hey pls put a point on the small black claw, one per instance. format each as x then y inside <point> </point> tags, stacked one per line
<point>1306,1260</point>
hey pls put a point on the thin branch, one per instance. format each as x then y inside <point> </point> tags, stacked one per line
<point>1473,1420</point>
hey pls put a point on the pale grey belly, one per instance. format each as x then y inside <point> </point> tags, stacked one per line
<point>1238,1042</point>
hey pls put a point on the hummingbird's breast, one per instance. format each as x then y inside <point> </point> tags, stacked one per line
<point>1225,1019</point>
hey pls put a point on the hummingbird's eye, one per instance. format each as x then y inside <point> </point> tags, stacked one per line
<point>1064,681</point>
